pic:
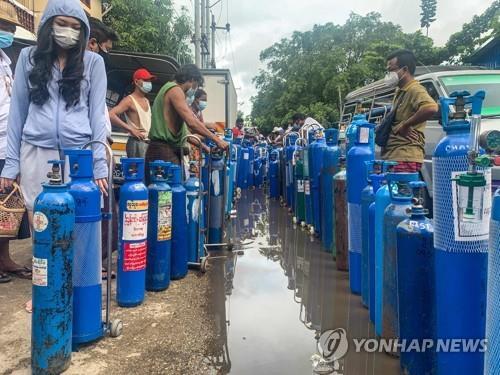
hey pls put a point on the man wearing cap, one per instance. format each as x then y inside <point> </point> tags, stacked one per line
<point>137,112</point>
<point>8,23</point>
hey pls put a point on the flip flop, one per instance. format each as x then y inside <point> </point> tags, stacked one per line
<point>4,278</point>
<point>22,273</point>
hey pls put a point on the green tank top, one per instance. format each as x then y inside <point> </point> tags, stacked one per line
<point>160,130</point>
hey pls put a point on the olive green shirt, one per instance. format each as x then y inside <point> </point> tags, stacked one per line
<point>412,97</point>
<point>160,130</point>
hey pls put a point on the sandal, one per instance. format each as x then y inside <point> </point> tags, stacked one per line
<point>4,278</point>
<point>22,273</point>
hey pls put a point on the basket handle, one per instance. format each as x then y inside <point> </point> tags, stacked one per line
<point>17,190</point>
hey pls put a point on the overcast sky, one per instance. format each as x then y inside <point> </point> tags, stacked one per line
<point>257,24</point>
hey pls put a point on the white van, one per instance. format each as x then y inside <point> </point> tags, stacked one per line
<point>376,99</point>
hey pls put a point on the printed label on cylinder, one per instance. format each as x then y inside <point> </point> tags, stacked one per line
<point>300,186</point>
<point>135,226</point>
<point>137,205</point>
<point>134,256</point>
<point>164,215</point>
<point>40,274</point>
<point>40,222</point>
<point>307,188</point>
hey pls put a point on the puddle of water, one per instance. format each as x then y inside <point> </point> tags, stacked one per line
<point>272,301</point>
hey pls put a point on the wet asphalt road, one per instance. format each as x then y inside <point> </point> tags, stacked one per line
<point>273,299</point>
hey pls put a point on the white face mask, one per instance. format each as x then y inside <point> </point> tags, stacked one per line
<point>66,37</point>
<point>146,87</point>
<point>392,79</point>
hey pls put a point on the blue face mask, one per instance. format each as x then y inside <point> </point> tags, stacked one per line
<point>203,105</point>
<point>6,39</point>
<point>190,93</point>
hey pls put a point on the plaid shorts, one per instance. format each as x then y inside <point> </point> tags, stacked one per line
<point>407,167</point>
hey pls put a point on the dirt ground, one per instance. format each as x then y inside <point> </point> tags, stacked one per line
<point>171,333</point>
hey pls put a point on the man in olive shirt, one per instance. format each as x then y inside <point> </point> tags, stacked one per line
<point>414,106</point>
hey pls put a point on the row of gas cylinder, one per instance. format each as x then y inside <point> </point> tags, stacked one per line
<point>421,279</point>
<point>162,230</point>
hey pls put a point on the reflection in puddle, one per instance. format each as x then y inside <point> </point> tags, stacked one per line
<point>274,296</point>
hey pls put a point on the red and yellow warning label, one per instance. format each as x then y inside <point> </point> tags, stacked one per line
<point>137,205</point>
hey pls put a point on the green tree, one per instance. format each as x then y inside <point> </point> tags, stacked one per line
<point>311,71</point>
<point>151,26</point>
<point>428,14</point>
<point>462,44</point>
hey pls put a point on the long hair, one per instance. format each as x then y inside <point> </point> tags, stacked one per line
<point>43,60</point>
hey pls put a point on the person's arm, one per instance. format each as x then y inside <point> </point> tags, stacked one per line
<point>425,107</point>
<point>178,101</point>
<point>123,107</point>
<point>18,113</point>
<point>97,108</point>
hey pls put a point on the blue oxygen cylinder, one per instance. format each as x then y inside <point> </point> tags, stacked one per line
<point>87,267</point>
<point>307,180</point>
<point>274,164</point>
<point>382,201</point>
<point>232,178</point>
<point>216,208</point>
<point>400,189</point>
<point>159,228</point>
<point>52,290</point>
<point>331,155</point>
<point>179,260</point>
<point>316,149</point>
<point>377,181</point>
<point>243,166</point>
<point>133,233</point>
<point>415,273</point>
<point>352,131</point>
<point>367,198</point>
<point>360,153</point>
<point>290,148</point>
<point>299,209</point>
<point>251,166</point>
<point>461,243</point>
<point>492,364</point>
<point>195,211</point>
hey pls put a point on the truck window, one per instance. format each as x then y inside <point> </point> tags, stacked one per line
<point>473,83</point>
<point>431,89</point>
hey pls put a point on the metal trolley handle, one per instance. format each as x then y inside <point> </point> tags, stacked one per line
<point>113,328</point>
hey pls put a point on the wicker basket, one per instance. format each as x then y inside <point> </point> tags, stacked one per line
<point>12,209</point>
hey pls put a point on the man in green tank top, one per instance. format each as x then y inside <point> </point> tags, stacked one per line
<point>171,117</point>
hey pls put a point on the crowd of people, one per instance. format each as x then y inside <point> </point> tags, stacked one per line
<point>56,100</point>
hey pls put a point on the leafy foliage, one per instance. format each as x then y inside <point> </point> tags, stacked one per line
<point>428,13</point>
<point>310,71</point>
<point>462,44</point>
<point>151,26</point>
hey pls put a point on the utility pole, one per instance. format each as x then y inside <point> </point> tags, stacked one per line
<point>202,34</point>
<point>207,32</point>
<point>197,33</point>
<point>213,27</point>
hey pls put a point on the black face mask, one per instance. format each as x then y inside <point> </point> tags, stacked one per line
<point>107,60</point>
